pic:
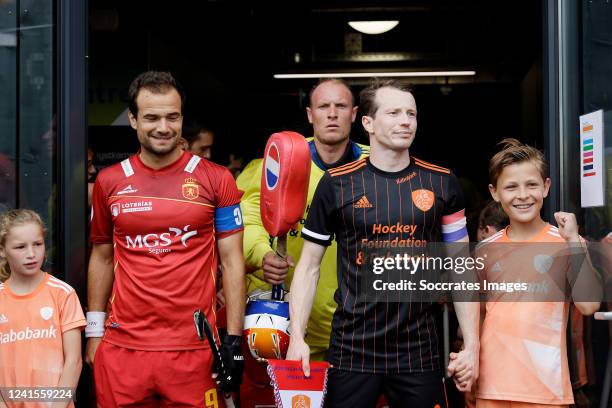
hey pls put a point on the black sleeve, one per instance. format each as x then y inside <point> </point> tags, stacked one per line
<point>319,222</point>
<point>454,196</point>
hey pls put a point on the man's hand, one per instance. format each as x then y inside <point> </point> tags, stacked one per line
<point>568,226</point>
<point>275,268</point>
<point>299,351</point>
<point>233,361</point>
<point>463,367</point>
<point>90,350</point>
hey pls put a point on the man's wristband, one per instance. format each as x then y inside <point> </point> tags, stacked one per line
<point>95,324</point>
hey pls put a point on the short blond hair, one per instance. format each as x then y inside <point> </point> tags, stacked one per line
<point>514,152</point>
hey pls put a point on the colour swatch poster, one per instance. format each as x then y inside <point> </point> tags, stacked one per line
<point>591,160</point>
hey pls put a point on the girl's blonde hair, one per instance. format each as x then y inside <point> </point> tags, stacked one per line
<point>514,152</point>
<point>11,219</point>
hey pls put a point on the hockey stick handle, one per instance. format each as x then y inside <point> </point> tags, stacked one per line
<point>218,361</point>
<point>281,250</point>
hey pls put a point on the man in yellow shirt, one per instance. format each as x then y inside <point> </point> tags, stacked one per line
<point>331,112</point>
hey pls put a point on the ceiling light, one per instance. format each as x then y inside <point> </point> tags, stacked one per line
<point>373,27</point>
<point>375,74</point>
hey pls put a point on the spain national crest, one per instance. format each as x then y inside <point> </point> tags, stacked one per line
<point>423,199</point>
<point>191,189</point>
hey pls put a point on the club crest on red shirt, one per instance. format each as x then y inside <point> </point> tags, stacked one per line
<point>191,189</point>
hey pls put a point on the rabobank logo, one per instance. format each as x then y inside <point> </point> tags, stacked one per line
<point>272,166</point>
<point>13,336</point>
<point>158,243</point>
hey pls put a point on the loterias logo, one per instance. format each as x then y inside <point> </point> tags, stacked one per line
<point>130,207</point>
<point>116,209</point>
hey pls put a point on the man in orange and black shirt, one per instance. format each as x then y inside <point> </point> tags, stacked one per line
<point>379,346</point>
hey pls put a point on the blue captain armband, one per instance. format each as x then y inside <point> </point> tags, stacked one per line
<point>228,218</point>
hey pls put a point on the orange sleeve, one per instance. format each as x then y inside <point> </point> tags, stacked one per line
<point>71,313</point>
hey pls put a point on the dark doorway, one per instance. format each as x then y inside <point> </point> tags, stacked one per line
<point>225,54</point>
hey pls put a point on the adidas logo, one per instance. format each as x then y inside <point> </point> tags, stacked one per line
<point>363,203</point>
<point>3,319</point>
<point>127,190</point>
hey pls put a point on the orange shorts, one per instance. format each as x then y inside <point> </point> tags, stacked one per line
<point>137,378</point>
<point>487,403</point>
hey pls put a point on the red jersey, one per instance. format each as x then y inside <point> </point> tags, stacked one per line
<point>163,225</point>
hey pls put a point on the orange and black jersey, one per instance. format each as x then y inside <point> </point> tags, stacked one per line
<point>365,207</point>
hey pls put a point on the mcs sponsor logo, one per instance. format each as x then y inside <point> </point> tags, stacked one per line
<point>158,243</point>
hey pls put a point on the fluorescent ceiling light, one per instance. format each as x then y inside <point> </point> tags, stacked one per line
<point>373,27</point>
<point>375,74</point>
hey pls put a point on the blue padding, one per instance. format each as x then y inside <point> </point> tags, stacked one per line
<point>268,307</point>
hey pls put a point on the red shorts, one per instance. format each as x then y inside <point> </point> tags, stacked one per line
<point>137,378</point>
<point>254,394</point>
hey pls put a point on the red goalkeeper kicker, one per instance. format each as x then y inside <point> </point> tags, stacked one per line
<point>284,182</point>
<point>284,188</point>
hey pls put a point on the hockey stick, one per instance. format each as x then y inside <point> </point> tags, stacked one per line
<point>203,329</point>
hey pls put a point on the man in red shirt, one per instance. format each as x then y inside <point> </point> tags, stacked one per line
<point>158,219</point>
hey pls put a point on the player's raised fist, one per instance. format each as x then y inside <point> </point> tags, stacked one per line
<point>568,227</point>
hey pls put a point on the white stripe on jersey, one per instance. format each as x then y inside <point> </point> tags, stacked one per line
<point>554,231</point>
<point>313,234</point>
<point>490,239</point>
<point>59,282</point>
<point>190,167</point>
<point>127,167</point>
<point>494,237</point>
<point>58,286</point>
